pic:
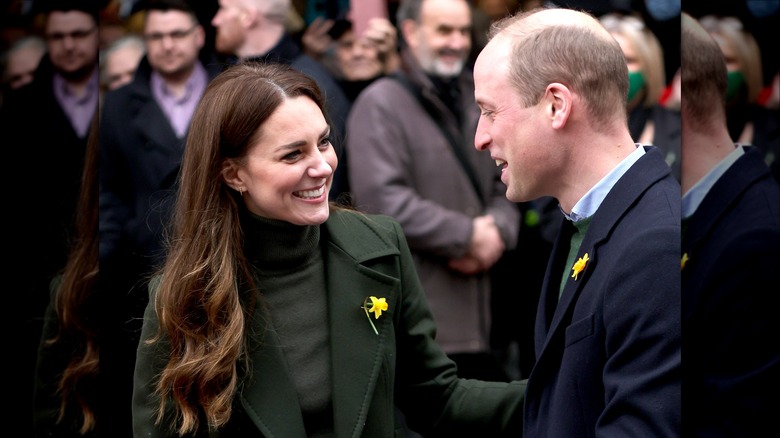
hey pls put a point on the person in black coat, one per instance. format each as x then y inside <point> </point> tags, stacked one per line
<point>730,254</point>
<point>607,333</point>
<point>44,126</point>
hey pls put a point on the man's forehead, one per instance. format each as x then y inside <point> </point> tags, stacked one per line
<point>61,19</point>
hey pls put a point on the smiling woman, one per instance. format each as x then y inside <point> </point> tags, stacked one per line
<point>256,319</point>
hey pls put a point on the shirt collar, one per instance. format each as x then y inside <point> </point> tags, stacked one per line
<point>162,89</point>
<point>696,194</point>
<point>588,204</point>
<point>90,91</point>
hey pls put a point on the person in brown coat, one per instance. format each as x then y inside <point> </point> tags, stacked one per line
<point>409,139</point>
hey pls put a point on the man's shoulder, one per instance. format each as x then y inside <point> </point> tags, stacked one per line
<point>389,91</point>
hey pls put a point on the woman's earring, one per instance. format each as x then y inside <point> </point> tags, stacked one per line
<point>241,191</point>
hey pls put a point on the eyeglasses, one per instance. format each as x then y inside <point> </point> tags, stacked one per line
<point>176,35</point>
<point>613,22</point>
<point>75,35</point>
<point>714,23</point>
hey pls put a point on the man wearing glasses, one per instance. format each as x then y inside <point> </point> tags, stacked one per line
<point>143,128</point>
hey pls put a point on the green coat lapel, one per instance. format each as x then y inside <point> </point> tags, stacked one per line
<point>357,352</point>
<point>269,396</point>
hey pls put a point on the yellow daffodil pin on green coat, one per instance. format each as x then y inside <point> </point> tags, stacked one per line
<point>579,266</point>
<point>378,305</point>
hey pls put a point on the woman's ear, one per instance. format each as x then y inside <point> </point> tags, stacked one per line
<point>557,104</point>
<point>230,174</point>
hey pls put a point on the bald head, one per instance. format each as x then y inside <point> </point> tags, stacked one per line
<point>564,46</point>
<point>530,23</point>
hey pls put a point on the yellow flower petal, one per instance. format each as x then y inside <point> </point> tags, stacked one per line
<point>377,306</point>
<point>579,265</point>
<point>684,260</point>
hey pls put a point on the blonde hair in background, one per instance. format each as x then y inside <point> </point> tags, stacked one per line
<point>648,50</point>
<point>744,46</point>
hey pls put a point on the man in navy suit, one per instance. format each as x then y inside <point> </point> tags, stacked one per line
<point>730,257</point>
<point>552,86</point>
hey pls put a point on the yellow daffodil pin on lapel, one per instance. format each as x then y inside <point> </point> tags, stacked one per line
<point>579,266</point>
<point>683,260</point>
<point>377,306</point>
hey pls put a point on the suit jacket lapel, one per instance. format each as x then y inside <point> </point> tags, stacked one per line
<point>548,301</point>
<point>151,120</point>
<point>643,174</point>
<point>726,191</point>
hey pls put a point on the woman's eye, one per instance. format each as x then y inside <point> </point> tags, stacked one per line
<point>325,143</point>
<point>292,155</point>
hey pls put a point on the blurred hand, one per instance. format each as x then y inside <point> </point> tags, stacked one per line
<point>315,39</point>
<point>485,248</point>
<point>466,265</point>
<point>486,243</point>
<point>382,34</point>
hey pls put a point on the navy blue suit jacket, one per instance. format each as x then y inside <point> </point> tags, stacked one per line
<point>731,371</point>
<point>608,356</point>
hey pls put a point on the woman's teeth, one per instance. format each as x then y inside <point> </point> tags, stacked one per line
<point>306,194</point>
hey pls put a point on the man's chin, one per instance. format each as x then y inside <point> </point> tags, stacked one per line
<point>75,74</point>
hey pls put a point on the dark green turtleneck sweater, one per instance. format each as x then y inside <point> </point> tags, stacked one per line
<point>291,277</point>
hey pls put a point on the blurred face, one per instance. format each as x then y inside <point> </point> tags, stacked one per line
<point>173,41</point>
<point>729,52</point>
<point>228,21</point>
<point>287,173</point>
<point>120,65</point>
<point>21,66</point>
<point>442,40</point>
<point>72,41</point>
<point>734,67</point>
<point>636,81</point>
<point>513,135</point>
<point>358,58</point>
<point>632,60</point>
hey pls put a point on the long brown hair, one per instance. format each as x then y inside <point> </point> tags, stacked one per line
<point>74,300</point>
<point>199,302</point>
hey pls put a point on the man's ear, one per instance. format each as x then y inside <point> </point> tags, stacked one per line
<point>408,32</point>
<point>557,104</point>
<point>230,174</point>
<point>249,17</point>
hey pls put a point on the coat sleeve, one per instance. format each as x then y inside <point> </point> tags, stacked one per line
<point>115,203</point>
<point>435,401</point>
<point>642,318</point>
